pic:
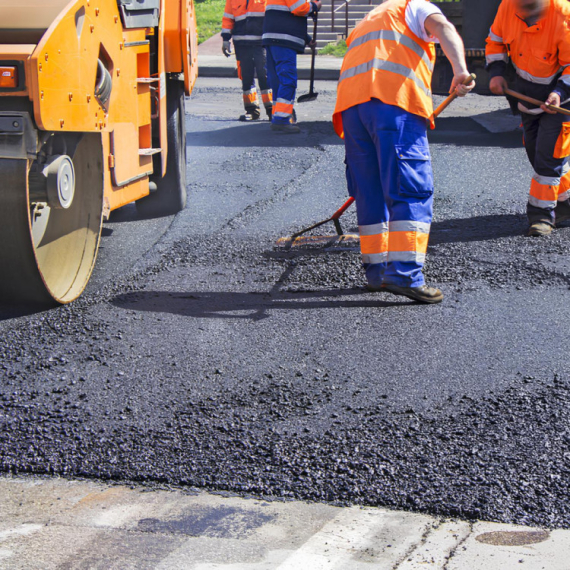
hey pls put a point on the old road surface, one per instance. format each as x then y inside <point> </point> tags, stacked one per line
<point>203,357</point>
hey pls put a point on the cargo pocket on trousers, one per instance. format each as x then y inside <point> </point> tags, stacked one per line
<point>562,148</point>
<point>414,169</point>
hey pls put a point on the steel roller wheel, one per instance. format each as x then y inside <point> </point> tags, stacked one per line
<point>170,194</point>
<point>47,253</point>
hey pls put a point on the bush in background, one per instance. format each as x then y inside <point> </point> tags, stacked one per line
<point>209,15</point>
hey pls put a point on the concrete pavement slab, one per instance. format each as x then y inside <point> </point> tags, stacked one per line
<point>71,525</point>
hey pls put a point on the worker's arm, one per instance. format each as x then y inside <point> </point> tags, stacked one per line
<point>227,28</point>
<point>562,90</point>
<point>497,54</point>
<point>438,26</point>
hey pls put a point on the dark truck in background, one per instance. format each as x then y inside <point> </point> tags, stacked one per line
<point>472,18</point>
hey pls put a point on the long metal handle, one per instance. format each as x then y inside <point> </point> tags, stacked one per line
<point>445,103</point>
<point>528,99</point>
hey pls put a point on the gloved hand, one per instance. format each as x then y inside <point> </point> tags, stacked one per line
<point>226,48</point>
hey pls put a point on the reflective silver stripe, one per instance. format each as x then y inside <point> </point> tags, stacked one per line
<point>266,91</point>
<point>564,196</point>
<point>297,5</point>
<point>544,204</point>
<point>250,92</point>
<point>244,38</point>
<point>409,226</point>
<point>497,57</point>
<point>277,7</point>
<point>495,37</point>
<point>224,31</point>
<point>282,114</point>
<point>396,37</point>
<point>540,80</point>
<point>374,257</point>
<point>387,66</point>
<point>286,101</point>
<point>286,37</point>
<point>230,16</point>
<point>547,180</point>
<point>565,167</point>
<point>250,15</point>
<point>565,79</point>
<point>412,256</point>
<point>373,229</point>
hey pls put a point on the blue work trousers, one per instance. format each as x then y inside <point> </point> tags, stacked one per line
<point>282,75</point>
<point>389,173</point>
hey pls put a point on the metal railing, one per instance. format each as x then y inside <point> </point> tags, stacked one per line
<point>335,10</point>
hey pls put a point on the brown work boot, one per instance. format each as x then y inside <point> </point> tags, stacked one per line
<point>253,115</point>
<point>286,128</point>
<point>540,229</point>
<point>423,294</point>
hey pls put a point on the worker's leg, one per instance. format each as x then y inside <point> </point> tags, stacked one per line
<point>365,186</point>
<point>261,68</point>
<point>284,61</point>
<point>546,149</point>
<point>407,180</point>
<point>244,55</point>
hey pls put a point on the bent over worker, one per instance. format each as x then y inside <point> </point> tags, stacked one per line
<point>383,107</point>
<point>243,21</point>
<point>535,35</point>
<point>284,36</point>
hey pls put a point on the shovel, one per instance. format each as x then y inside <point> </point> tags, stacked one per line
<point>311,95</point>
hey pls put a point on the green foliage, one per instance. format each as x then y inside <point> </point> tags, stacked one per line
<point>337,49</point>
<point>209,15</point>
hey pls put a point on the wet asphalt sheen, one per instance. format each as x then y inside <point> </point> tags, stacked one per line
<point>202,356</point>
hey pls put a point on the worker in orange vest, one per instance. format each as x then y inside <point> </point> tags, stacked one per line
<point>535,36</point>
<point>243,22</point>
<point>383,107</point>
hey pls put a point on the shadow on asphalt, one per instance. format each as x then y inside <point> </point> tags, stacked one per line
<point>465,131</point>
<point>252,306</point>
<point>260,134</point>
<point>477,228</point>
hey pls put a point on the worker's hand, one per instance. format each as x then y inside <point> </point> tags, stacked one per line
<point>553,99</point>
<point>312,44</point>
<point>226,48</point>
<point>498,84</point>
<point>457,84</point>
<point>318,4</point>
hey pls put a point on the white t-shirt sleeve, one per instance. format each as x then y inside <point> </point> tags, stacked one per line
<point>416,14</point>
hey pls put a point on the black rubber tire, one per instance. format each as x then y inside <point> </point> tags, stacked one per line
<point>170,195</point>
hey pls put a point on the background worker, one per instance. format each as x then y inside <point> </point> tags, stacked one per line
<point>284,36</point>
<point>534,34</point>
<point>382,110</point>
<point>243,20</point>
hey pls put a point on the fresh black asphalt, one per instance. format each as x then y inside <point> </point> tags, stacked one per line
<point>203,356</point>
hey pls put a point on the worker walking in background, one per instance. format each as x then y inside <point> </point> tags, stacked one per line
<point>383,107</point>
<point>243,22</point>
<point>284,36</point>
<point>535,35</point>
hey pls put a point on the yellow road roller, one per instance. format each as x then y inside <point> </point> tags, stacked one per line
<point>91,118</point>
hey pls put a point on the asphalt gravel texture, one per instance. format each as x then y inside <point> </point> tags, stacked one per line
<point>204,356</point>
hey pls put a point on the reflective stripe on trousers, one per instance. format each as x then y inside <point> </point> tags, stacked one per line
<point>389,174</point>
<point>282,75</point>
<point>551,180</point>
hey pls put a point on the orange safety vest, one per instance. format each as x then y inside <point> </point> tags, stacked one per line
<point>539,52</point>
<point>387,61</point>
<point>243,21</point>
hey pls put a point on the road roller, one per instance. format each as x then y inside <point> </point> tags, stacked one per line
<point>91,118</point>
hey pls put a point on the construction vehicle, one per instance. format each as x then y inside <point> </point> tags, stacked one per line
<point>91,118</point>
<point>472,19</point>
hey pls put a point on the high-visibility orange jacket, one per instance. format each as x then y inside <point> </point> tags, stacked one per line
<point>286,23</point>
<point>243,20</point>
<point>540,53</point>
<point>387,61</point>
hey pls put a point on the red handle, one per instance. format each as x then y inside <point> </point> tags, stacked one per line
<point>342,209</point>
